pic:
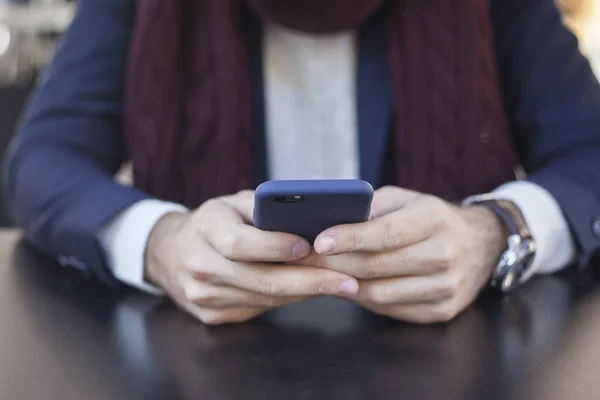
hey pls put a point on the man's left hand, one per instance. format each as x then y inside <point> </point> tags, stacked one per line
<point>419,258</point>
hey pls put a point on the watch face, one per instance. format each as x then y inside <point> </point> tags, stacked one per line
<point>512,278</point>
<point>513,266</point>
<point>507,262</point>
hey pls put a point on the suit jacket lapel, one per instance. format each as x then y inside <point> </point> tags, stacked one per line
<point>374,98</point>
<point>254,43</point>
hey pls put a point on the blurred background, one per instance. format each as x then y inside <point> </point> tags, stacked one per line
<point>30,30</point>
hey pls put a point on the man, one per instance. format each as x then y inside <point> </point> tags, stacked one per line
<point>431,102</point>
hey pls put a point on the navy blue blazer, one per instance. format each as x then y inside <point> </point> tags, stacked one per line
<point>70,143</point>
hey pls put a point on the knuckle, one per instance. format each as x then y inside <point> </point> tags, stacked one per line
<point>450,286</point>
<point>352,239</point>
<point>206,297</point>
<point>321,286</point>
<point>268,286</point>
<point>388,190</point>
<point>188,292</point>
<point>205,276</point>
<point>425,201</point>
<point>209,205</point>
<point>270,302</point>
<point>433,202</point>
<point>440,221</point>
<point>212,317</point>
<point>438,210</point>
<point>228,244</point>
<point>278,249</point>
<point>245,193</point>
<point>446,257</point>
<point>389,237</point>
<point>199,271</point>
<point>381,295</point>
<point>190,263</point>
<point>444,312</point>
<point>377,267</point>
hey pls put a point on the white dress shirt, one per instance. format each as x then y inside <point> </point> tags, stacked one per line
<point>311,128</point>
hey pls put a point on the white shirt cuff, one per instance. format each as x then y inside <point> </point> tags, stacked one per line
<point>124,240</point>
<point>555,247</point>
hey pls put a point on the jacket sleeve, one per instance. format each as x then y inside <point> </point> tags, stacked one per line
<point>59,170</point>
<point>553,100</point>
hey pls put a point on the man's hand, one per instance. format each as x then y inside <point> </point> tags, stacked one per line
<point>216,266</point>
<point>418,258</point>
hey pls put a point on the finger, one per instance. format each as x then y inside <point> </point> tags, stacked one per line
<point>389,199</point>
<point>212,316</point>
<point>217,296</point>
<point>419,313</point>
<point>240,242</point>
<point>225,231</point>
<point>209,315</point>
<point>413,223</point>
<point>425,258</point>
<point>243,203</point>
<point>288,280</point>
<point>408,290</point>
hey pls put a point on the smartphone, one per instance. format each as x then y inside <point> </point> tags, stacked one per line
<point>308,207</point>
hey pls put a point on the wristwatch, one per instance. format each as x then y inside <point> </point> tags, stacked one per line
<point>520,252</point>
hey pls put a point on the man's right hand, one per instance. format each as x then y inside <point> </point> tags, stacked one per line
<point>218,267</point>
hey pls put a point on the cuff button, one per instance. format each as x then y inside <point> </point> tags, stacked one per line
<point>596,227</point>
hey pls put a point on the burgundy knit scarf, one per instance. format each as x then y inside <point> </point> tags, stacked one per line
<point>188,113</point>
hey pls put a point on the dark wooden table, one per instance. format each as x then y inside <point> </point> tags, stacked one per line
<point>63,336</point>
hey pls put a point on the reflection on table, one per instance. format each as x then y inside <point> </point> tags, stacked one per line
<point>97,343</point>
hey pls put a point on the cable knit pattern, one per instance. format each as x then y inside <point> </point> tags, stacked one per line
<point>188,98</point>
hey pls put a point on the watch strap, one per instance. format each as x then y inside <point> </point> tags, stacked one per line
<point>510,215</point>
<point>507,211</point>
<point>514,262</point>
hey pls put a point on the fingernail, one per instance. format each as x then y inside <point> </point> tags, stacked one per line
<point>348,288</point>
<point>325,245</point>
<point>300,249</point>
